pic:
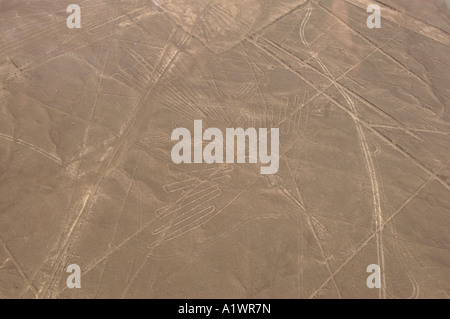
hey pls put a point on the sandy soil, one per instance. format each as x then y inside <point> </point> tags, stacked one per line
<point>86,175</point>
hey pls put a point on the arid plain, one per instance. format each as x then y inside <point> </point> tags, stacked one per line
<point>86,175</point>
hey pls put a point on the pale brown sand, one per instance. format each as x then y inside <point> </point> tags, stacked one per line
<point>86,175</point>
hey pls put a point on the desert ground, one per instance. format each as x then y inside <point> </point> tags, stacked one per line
<point>86,175</point>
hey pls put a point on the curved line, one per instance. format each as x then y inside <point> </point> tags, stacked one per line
<point>303,25</point>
